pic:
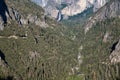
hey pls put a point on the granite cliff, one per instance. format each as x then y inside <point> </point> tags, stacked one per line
<point>69,7</point>
<point>110,10</point>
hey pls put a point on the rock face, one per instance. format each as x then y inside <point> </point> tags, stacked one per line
<point>115,55</point>
<point>106,37</point>
<point>110,10</point>
<point>16,16</point>
<point>69,7</point>
<point>98,4</point>
<point>42,3</point>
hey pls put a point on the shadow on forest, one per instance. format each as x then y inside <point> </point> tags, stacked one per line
<point>3,56</point>
<point>8,78</point>
<point>3,11</point>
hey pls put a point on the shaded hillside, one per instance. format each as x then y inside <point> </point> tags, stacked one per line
<point>98,45</point>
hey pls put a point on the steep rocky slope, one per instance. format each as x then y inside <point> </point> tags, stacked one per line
<point>11,12</point>
<point>110,10</point>
<point>115,55</point>
<point>101,51</point>
<point>100,45</point>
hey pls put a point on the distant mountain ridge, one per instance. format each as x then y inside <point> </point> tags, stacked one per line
<point>69,7</point>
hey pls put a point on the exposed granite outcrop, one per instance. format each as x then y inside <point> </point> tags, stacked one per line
<point>69,7</point>
<point>15,15</point>
<point>110,10</point>
<point>115,55</point>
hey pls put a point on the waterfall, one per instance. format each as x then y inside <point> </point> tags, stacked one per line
<point>59,17</point>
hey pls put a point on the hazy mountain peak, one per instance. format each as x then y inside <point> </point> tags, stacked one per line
<point>70,7</point>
